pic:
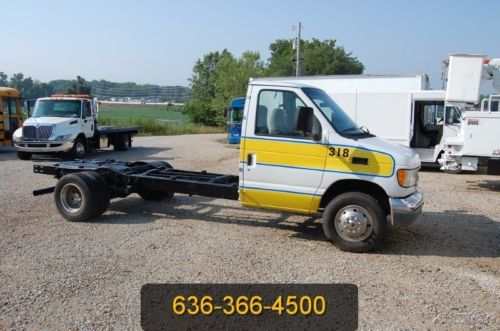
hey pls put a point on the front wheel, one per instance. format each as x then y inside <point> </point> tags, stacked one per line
<point>24,155</point>
<point>79,149</point>
<point>354,222</point>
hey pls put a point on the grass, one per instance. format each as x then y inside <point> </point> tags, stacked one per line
<point>153,119</point>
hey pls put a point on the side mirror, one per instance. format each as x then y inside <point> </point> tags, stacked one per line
<point>317,136</point>
<point>226,110</point>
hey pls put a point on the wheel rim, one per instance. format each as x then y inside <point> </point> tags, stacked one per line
<point>80,148</point>
<point>353,223</point>
<point>71,198</point>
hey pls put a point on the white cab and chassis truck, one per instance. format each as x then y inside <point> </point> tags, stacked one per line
<point>299,153</point>
<point>67,124</point>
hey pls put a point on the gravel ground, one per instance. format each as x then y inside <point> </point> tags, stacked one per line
<point>441,273</point>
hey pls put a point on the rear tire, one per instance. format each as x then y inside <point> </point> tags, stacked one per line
<point>76,199</point>
<point>354,222</point>
<point>151,195</point>
<point>100,188</point>
<point>24,155</point>
<point>121,142</point>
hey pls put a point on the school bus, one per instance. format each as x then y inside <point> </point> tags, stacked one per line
<point>10,114</point>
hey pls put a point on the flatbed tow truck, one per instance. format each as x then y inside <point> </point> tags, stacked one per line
<point>67,124</point>
<point>299,153</point>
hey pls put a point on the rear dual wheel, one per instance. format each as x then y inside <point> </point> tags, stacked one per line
<point>81,196</point>
<point>121,142</point>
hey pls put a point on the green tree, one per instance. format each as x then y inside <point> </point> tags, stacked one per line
<point>199,107</point>
<point>4,79</point>
<point>319,58</point>
<point>218,78</point>
<point>232,79</point>
<point>80,86</point>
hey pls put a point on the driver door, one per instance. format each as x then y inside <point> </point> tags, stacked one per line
<point>87,119</point>
<point>282,166</point>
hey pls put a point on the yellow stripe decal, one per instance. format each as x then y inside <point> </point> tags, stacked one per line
<point>312,156</point>
<point>287,201</point>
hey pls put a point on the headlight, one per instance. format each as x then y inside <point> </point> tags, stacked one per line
<point>64,137</point>
<point>407,177</point>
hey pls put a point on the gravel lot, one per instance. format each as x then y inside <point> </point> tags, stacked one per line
<point>441,273</point>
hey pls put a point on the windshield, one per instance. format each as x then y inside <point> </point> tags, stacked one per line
<point>340,121</point>
<point>57,108</point>
<point>236,114</point>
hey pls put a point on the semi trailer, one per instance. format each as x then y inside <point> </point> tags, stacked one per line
<point>299,153</point>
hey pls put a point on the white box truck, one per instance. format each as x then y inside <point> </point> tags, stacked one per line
<point>403,109</point>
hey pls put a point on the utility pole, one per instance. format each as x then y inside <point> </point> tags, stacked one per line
<point>297,56</point>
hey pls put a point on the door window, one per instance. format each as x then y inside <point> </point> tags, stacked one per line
<point>87,110</point>
<point>278,113</point>
<point>452,116</point>
<point>9,106</point>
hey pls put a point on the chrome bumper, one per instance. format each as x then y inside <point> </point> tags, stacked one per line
<point>43,146</point>
<point>405,211</point>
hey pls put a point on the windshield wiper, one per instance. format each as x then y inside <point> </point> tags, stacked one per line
<point>349,129</point>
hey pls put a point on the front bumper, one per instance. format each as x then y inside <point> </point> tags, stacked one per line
<point>405,211</point>
<point>43,146</point>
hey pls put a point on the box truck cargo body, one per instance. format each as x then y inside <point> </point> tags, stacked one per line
<point>400,109</point>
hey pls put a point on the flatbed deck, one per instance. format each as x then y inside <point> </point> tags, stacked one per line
<point>103,129</point>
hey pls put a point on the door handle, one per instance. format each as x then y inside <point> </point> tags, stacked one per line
<point>251,160</point>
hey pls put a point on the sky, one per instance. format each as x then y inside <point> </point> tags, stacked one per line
<point>158,42</point>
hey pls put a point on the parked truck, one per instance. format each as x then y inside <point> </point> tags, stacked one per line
<point>299,152</point>
<point>10,114</point>
<point>67,124</point>
<point>234,115</point>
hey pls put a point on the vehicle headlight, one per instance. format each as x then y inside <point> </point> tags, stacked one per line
<point>18,135</point>
<point>63,137</point>
<point>407,177</point>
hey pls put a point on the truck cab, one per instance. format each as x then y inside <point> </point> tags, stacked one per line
<point>60,123</point>
<point>234,115</point>
<point>301,153</point>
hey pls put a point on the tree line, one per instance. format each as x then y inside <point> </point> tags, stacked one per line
<point>32,88</point>
<point>219,76</point>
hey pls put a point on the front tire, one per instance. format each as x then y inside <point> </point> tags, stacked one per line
<point>79,149</point>
<point>24,155</point>
<point>354,222</point>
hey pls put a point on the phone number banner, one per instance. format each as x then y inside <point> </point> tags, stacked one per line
<point>249,306</point>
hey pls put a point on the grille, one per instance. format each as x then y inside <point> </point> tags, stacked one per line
<point>37,133</point>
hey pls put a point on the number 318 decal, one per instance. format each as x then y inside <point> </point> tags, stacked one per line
<point>340,152</point>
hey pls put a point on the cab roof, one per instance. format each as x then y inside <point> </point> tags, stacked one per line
<point>68,97</point>
<point>9,92</point>
<point>278,82</point>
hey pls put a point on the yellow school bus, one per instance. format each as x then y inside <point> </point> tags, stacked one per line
<point>10,114</point>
